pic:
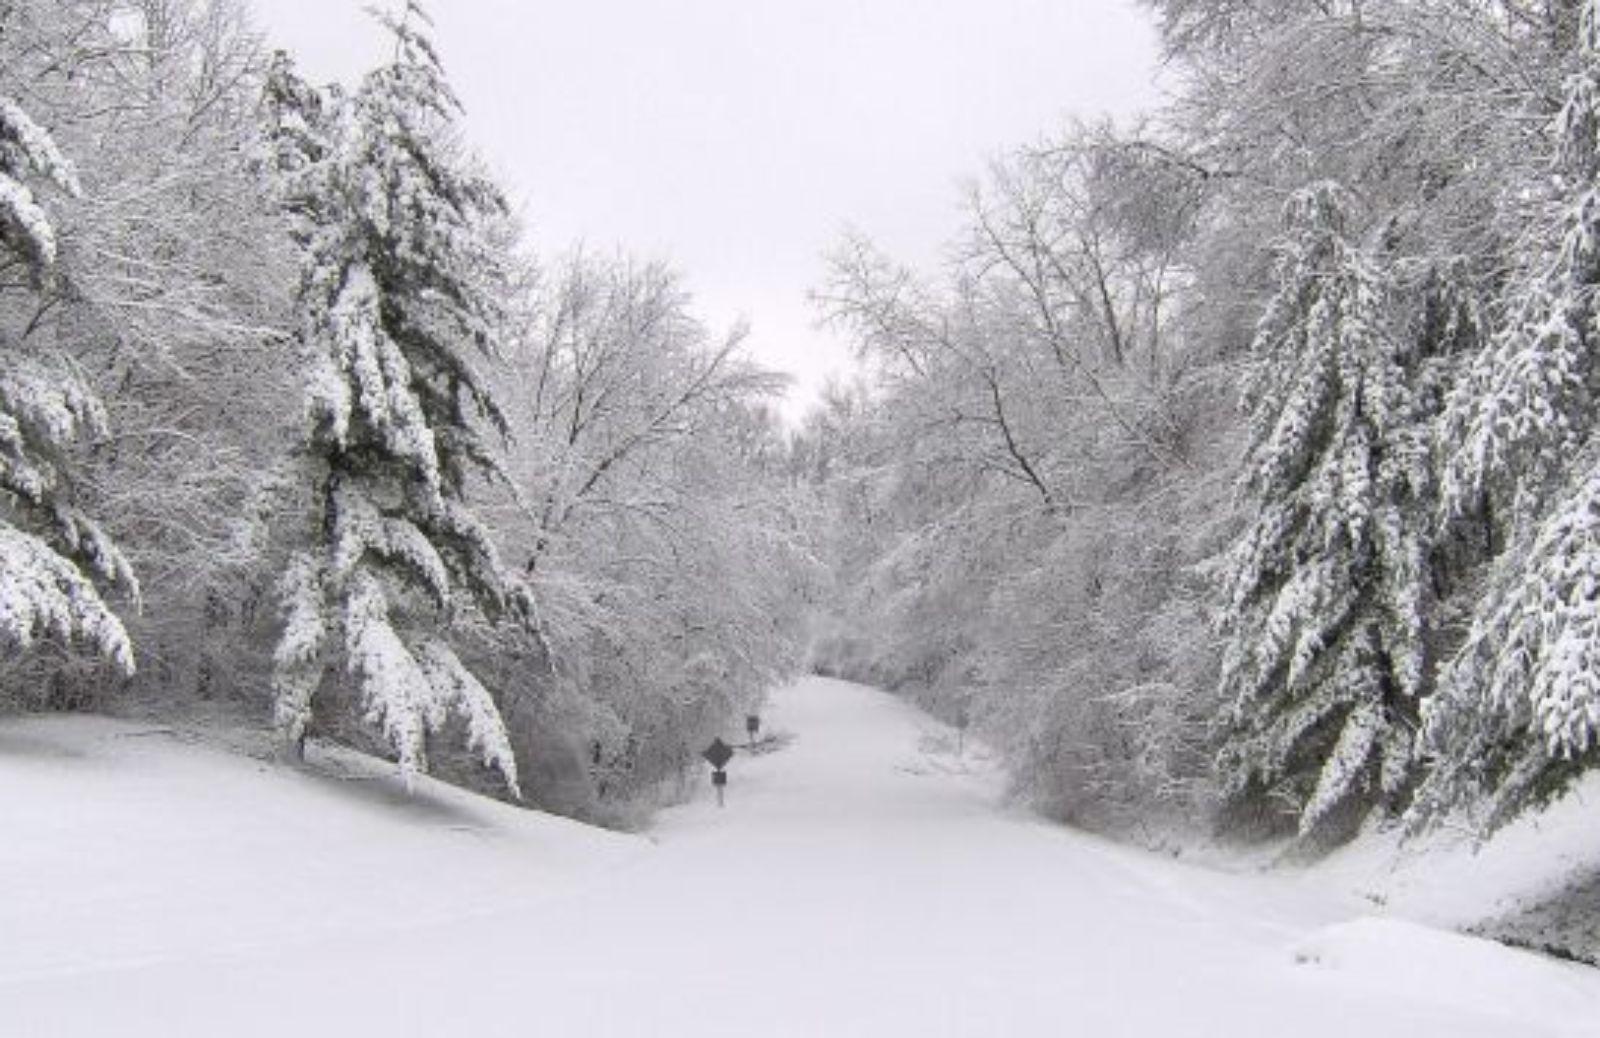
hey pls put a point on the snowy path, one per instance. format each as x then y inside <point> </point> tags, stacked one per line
<point>860,882</point>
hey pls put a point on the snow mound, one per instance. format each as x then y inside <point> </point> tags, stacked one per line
<point>127,844</point>
<point>1411,961</point>
<point>1533,884</point>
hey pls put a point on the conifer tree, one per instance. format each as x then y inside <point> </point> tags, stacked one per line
<point>1518,713</point>
<point>1524,406</point>
<point>1322,593</point>
<point>396,309</point>
<point>54,558</point>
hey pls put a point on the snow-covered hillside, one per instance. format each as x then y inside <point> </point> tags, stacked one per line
<point>865,880</point>
<point>130,846</point>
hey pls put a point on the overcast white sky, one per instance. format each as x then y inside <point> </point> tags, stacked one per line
<point>738,138</point>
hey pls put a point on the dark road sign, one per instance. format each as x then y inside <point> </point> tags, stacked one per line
<point>718,754</point>
<point>752,724</point>
<point>719,778</point>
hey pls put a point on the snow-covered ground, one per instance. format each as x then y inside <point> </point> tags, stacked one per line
<point>863,881</point>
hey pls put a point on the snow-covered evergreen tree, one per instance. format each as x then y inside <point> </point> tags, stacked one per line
<point>1525,404</point>
<point>396,310</point>
<point>54,558</point>
<point>1518,714</point>
<point>1322,594</point>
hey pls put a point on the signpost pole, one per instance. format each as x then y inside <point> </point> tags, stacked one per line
<point>718,754</point>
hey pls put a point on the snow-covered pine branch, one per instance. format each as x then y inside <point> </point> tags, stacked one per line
<point>28,151</point>
<point>43,596</point>
<point>1518,712</point>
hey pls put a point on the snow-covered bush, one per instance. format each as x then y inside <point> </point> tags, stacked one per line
<point>1023,496</point>
<point>667,553</point>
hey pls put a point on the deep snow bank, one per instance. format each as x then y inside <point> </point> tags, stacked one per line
<point>123,844</point>
<point>1533,883</point>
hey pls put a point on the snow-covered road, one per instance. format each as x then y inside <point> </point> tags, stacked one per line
<point>863,881</point>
